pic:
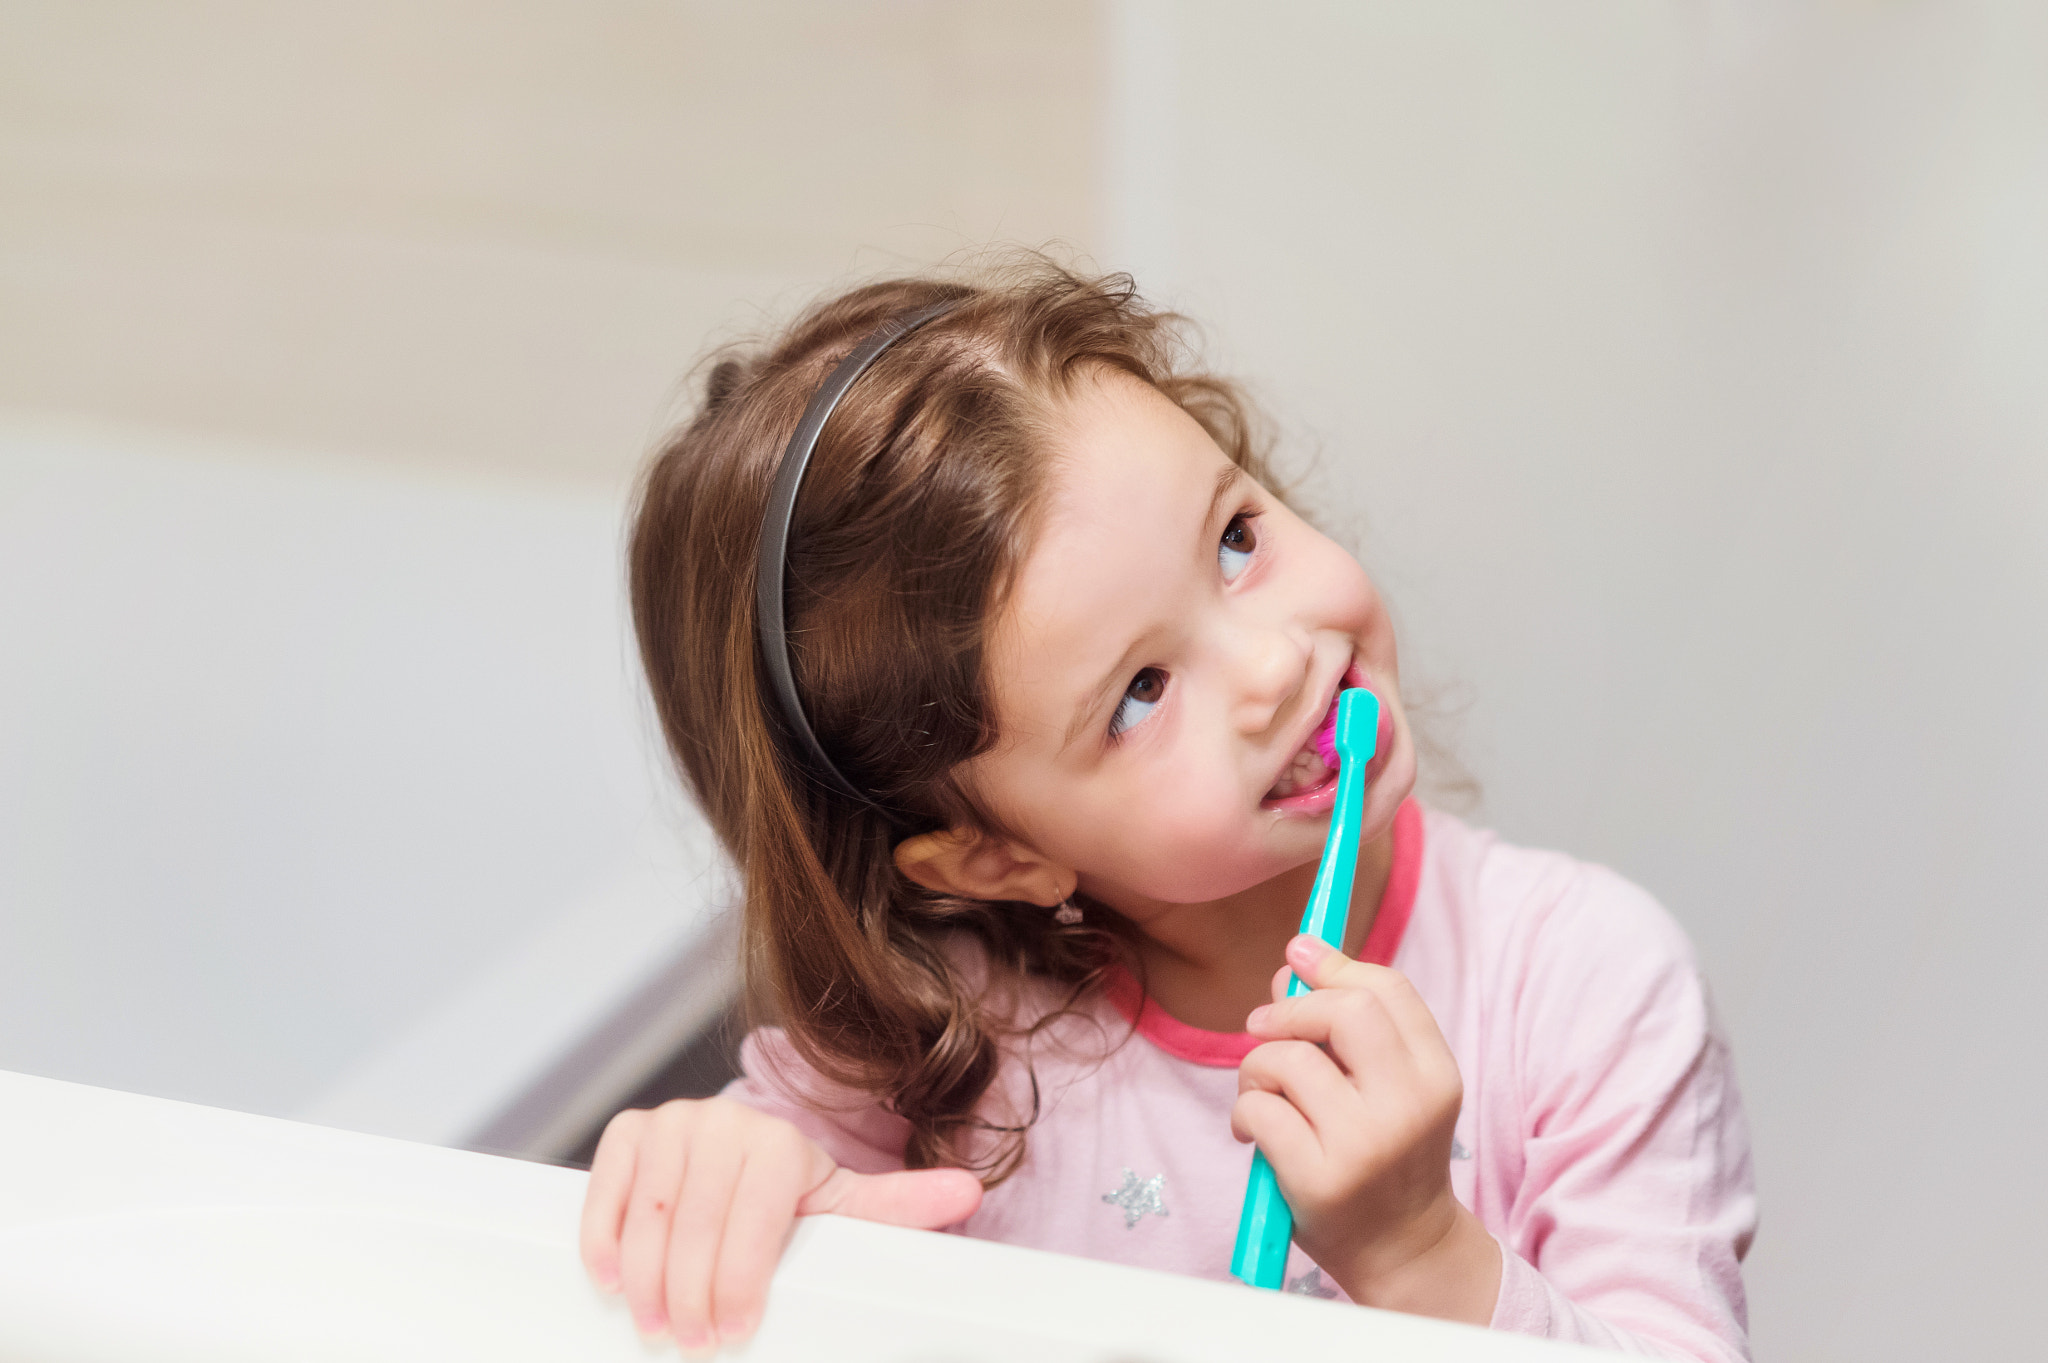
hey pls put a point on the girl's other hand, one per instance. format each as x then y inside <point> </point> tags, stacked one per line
<point>1354,1098</point>
<point>690,1204</point>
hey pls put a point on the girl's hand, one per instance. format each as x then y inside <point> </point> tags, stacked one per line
<point>1353,1099</point>
<point>690,1204</point>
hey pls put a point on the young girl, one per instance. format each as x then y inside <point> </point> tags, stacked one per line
<point>1009,722</point>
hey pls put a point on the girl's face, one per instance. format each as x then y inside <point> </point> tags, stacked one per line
<point>1173,641</point>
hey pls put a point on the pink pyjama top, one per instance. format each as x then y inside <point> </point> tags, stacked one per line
<point>1601,1140</point>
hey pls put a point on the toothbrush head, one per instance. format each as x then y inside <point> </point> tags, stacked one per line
<point>1326,743</point>
<point>1356,734</point>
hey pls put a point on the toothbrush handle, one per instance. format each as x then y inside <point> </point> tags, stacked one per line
<point>1265,1227</point>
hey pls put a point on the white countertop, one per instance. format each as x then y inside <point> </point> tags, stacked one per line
<point>136,1228</point>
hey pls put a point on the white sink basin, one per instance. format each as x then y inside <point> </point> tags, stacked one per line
<point>137,1229</point>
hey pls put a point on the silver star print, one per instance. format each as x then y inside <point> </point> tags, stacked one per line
<point>1310,1284</point>
<point>1458,1150</point>
<point>1138,1196</point>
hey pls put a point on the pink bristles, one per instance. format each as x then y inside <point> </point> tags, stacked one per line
<point>1326,741</point>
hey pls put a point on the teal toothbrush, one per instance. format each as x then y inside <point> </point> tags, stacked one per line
<point>1266,1226</point>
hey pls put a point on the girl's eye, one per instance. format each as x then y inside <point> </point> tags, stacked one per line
<point>1234,550</point>
<point>1144,692</point>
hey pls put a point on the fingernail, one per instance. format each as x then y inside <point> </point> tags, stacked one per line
<point>734,1333</point>
<point>653,1329</point>
<point>1305,950</point>
<point>607,1280</point>
<point>699,1345</point>
<point>1257,1017</point>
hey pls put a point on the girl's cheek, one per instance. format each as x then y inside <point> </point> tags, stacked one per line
<point>1348,598</point>
<point>1197,851</point>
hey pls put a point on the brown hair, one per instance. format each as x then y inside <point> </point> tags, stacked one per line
<point>917,510</point>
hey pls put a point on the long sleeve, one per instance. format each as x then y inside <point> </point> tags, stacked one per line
<point>855,1130</point>
<point>1634,1203</point>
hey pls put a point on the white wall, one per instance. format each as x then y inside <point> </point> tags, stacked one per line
<point>1679,371</point>
<point>292,754</point>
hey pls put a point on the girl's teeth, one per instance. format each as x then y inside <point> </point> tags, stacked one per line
<point>1306,771</point>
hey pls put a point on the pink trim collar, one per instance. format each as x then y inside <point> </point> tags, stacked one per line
<point>1228,1049</point>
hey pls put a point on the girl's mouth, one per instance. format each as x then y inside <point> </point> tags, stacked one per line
<point>1308,784</point>
<point>1314,767</point>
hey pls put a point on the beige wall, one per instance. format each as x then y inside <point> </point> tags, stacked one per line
<point>493,235</point>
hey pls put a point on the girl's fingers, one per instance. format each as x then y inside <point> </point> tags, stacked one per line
<point>1327,968</point>
<point>1282,978</point>
<point>925,1199</point>
<point>604,1204</point>
<point>1354,1023</point>
<point>650,1207</point>
<point>776,1185</point>
<point>689,1207</point>
<point>1278,1128</point>
<point>710,1177</point>
<point>772,1181</point>
<point>1299,1072</point>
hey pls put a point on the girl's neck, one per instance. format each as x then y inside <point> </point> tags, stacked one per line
<point>1208,965</point>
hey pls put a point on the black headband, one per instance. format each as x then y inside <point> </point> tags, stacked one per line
<point>775,521</point>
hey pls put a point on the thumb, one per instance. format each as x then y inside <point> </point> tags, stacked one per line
<point>922,1198</point>
<point>1319,964</point>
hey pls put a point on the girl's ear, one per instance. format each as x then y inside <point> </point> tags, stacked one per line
<point>978,865</point>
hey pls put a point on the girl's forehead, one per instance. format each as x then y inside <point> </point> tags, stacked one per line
<point>1125,536</point>
<point>1121,448</point>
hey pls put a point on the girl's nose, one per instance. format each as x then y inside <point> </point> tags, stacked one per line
<point>1269,667</point>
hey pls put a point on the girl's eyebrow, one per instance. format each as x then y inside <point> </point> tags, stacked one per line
<point>1118,671</point>
<point>1227,480</point>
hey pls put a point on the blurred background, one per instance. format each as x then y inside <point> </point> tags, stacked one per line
<point>1677,368</point>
